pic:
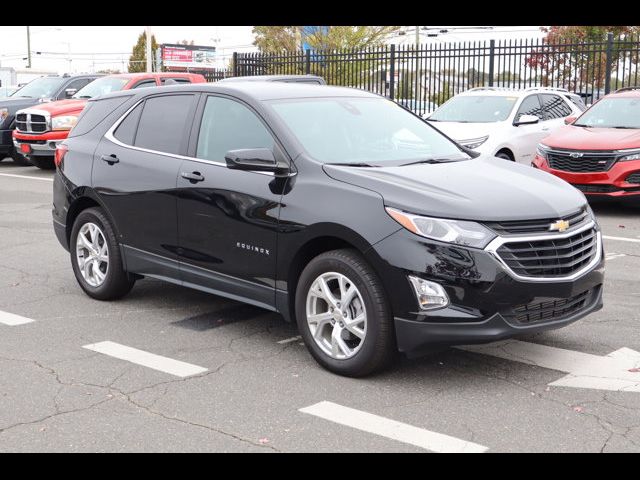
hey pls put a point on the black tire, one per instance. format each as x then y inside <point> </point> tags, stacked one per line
<point>19,159</point>
<point>379,345</point>
<point>504,156</point>
<point>43,163</point>
<point>117,282</point>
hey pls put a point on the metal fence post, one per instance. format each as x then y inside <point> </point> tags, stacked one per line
<point>492,57</point>
<point>392,72</point>
<point>235,64</point>
<point>608,59</point>
<point>307,61</point>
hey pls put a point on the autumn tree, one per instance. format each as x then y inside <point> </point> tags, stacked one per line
<point>138,58</point>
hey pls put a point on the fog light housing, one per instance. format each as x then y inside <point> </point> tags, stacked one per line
<point>430,295</point>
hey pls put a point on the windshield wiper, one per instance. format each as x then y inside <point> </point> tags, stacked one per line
<point>24,96</point>
<point>430,161</point>
<point>626,128</point>
<point>354,164</point>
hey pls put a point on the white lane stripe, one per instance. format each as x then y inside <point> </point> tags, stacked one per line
<point>12,320</point>
<point>613,256</point>
<point>622,239</point>
<point>289,340</point>
<point>146,359</point>
<point>26,176</point>
<point>402,432</point>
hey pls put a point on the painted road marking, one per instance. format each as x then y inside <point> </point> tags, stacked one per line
<point>385,427</point>
<point>622,239</point>
<point>617,371</point>
<point>12,320</point>
<point>44,179</point>
<point>289,340</point>
<point>146,359</point>
<point>613,256</point>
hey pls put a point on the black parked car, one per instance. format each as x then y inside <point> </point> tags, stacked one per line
<point>42,89</point>
<point>333,206</point>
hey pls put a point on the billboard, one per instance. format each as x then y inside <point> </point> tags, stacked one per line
<point>188,56</point>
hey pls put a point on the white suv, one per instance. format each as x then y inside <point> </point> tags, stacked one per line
<point>506,123</point>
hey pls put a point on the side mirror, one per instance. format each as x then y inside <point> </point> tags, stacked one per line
<point>70,92</point>
<point>527,120</point>
<point>569,120</point>
<point>253,159</point>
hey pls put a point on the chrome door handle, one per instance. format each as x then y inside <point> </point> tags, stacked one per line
<point>193,177</point>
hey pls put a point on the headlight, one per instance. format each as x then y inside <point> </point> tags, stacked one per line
<point>4,113</point>
<point>542,150</point>
<point>460,232</point>
<point>473,142</point>
<point>64,122</point>
<point>630,155</point>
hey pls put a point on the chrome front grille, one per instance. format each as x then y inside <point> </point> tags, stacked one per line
<point>27,122</point>
<point>551,257</point>
<point>581,162</point>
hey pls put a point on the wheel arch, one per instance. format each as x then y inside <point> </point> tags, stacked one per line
<point>508,151</point>
<point>84,198</point>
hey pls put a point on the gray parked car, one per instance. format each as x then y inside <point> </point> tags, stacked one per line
<point>278,78</point>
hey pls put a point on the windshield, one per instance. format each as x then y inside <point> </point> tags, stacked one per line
<point>43,87</point>
<point>612,112</point>
<point>475,109</point>
<point>362,130</point>
<point>101,86</point>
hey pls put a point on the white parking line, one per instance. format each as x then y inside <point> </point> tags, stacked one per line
<point>613,256</point>
<point>146,359</point>
<point>621,239</point>
<point>385,427</point>
<point>289,340</point>
<point>44,179</point>
<point>12,320</point>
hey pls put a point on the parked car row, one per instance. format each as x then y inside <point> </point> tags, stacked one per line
<point>597,150</point>
<point>37,117</point>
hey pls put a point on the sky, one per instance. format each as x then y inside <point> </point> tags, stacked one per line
<point>79,49</point>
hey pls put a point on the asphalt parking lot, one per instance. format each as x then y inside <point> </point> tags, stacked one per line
<point>210,374</point>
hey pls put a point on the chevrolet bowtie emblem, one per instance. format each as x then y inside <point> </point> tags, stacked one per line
<point>560,226</point>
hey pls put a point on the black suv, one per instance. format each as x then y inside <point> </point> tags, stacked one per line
<point>42,89</point>
<point>333,206</point>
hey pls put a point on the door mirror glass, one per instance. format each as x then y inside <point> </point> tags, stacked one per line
<point>527,120</point>
<point>570,120</point>
<point>255,159</point>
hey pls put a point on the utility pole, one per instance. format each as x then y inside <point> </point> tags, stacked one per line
<point>149,61</point>
<point>28,48</point>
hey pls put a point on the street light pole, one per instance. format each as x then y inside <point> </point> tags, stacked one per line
<point>28,48</point>
<point>149,68</point>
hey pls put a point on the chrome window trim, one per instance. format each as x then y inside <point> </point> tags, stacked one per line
<point>497,242</point>
<point>110,136</point>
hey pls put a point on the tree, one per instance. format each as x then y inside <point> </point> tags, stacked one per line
<point>185,42</point>
<point>109,71</point>
<point>138,58</point>
<point>561,56</point>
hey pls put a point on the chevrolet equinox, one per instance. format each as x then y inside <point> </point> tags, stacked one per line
<point>333,206</point>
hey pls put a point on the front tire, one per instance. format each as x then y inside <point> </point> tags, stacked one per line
<point>43,163</point>
<point>504,156</point>
<point>343,314</point>
<point>19,159</point>
<point>95,257</point>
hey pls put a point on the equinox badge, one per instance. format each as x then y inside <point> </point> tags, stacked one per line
<point>560,226</point>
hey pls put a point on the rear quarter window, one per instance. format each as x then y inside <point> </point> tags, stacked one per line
<point>94,112</point>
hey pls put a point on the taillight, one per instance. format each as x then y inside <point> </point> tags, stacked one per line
<point>61,150</point>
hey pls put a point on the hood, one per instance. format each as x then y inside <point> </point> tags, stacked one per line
<point>15,104</point>
<point>584,138</point>
<point>62,107</point>
<point>481,189</point>
<point>465,131</point>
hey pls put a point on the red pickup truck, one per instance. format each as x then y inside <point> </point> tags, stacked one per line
<point>40,129</point>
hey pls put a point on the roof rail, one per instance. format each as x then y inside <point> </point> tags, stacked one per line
<point>553,89</point>
<point>476,89</point>
<point>627,89</point>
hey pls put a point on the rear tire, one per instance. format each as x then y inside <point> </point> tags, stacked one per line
<point>335,339</point>
<point>95,257</point>
<point>19,159</point>
<point>43,163</point>
<point>504,156</point>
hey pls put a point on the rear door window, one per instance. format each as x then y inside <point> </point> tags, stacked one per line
<point>554,106</point>
<point>163,123</point>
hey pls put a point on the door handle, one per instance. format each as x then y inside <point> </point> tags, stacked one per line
<point>110,159</point>
<point>545,129</point>
<point>193,177</point>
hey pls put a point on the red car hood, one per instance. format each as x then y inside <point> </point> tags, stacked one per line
<point>583,138</point>
<point>63,107</point>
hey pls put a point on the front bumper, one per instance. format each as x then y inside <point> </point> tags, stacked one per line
<point>484,297</point>
<point>39,145</point>
<point>612,183</point>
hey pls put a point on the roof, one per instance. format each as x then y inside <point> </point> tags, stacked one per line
<point>510,92</point>
<point>152,74</point>
<point>627,92</point>
<point>273,78</point>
